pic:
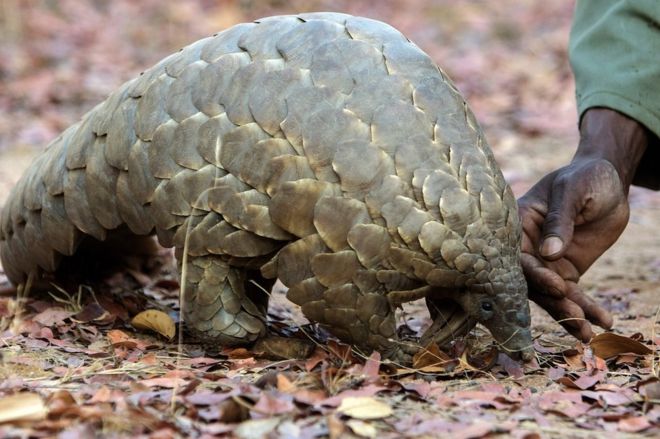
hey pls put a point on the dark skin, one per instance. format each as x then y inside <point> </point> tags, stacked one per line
<point>572,215</point>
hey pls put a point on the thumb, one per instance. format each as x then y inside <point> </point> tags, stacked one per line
<point>563,207</point>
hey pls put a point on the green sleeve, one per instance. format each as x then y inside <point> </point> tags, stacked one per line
<point>615,55</point>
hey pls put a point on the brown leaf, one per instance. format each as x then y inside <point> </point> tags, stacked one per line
<point>310,397</point>
<point>574,360</point>
<point>157,321</point>
<point>271,404</point>
<point>91,311</point>
<point>285,385</point>
<point>318,356</point>
<point>485,359</point>
<point>22,407</point>
<point>634,424</point>
<point>103,394</point>
<point>116,309</point>
<point>584,381</point>
<point>52,316</point>
<point>231,411</point>
<point>608,344</point>
<point>61,403</point>
<point>342,351</point>
<point>431,357</point>
<point>119,338</point>
<point>238,353</point>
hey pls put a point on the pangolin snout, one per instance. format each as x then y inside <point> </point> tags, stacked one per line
<point>520,318</point>
<point>515,336</point>
<point>519,345</point>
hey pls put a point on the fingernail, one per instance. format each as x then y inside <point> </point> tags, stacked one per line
<point>551,246</point>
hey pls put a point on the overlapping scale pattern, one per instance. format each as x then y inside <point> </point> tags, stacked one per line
<point>325,147</point>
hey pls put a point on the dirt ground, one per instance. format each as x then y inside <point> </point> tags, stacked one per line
<point>98,376</point>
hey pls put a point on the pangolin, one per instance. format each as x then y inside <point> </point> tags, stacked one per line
<point>322,149</point>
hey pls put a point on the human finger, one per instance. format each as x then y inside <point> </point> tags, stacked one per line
<point>595,313</point>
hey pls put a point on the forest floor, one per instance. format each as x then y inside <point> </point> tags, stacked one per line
<point>73,366</point>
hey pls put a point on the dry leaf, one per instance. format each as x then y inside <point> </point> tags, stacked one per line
<point>608,345</point>
<point>256,428</point>
<point>432,360</point>
<point>634,424</point>
<point>22,407</point>
<point>156,321</point>
<point>119,338</point>
<point>284,384</point>
<point>364,407</point>
<point>362,428</point>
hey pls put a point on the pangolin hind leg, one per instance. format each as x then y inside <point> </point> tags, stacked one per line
<point>220,304</point>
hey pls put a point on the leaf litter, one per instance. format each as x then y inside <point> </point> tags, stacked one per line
<point>73,364</point>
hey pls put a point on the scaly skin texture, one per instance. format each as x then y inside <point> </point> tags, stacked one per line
<point>322,149</point>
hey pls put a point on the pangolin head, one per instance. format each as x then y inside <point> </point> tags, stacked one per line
<point>483,269</point>
<point>501,305</point>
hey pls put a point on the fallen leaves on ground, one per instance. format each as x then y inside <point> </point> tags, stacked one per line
<point>132,382</point>
<point>75,369</point>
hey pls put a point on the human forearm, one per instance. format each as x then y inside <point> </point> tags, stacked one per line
<point>610,135</point>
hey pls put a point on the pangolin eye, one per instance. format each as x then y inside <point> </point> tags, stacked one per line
<point>486,306</point>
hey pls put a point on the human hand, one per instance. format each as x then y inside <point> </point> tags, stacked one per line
<point>569,219</point>
<point>572,215</point>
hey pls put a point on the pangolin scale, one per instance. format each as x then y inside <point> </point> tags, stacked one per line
<point>322,149</point>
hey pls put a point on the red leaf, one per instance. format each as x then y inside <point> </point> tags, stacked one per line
<point>584,381</point>
<point>317,357</point>
<point>271,404</point>
<point>608,398</point>
<point>634,424</point>
<point>52,316</point>
<point>512,367</point>
<point>422,388</point>
<point>472,397</point>
<point>555,373</point>
<point>166,382</point>
<point>476,430</point>
<point>372,365</point>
